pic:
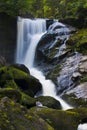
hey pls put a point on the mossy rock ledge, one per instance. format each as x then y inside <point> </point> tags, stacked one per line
<point>14,116</point>
<point>22,80</point>
<point>78,41</point>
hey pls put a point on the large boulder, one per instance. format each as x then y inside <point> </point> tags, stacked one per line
<point>61,120</point>
<point>13,116</point>
<point>27,101</point>
<point>21,67</point>
<point>49,102</point>
<point>24,81</point>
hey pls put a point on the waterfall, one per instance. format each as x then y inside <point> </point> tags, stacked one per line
<point>29,34</point>
<point>82,126</point>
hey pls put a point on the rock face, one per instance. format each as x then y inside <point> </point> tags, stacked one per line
<point>80,91</point>
<point>8,37</point>
<point>51,47</point>
<point>66,68</point>
<point>83,64</point>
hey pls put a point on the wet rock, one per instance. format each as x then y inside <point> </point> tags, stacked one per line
<point>74,101</point>
<point>72,29</point>
<point>51,42</point>
<point>69,69</point>
<point>83,58</point>
<point>80,91</point>
<point>64,53</point>
<point>83,65</point>
<point>49,22</point>
<point>21,67</point>
<point>58,29</point>
<point>76,76</point>
<point>78,41</point>
<point>39,104</point>
<point>49,102</point>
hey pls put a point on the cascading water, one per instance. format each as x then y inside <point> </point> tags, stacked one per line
<point>82,126</point>
<point>29,34</point>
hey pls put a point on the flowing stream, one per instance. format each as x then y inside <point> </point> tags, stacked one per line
<point>29,34</point>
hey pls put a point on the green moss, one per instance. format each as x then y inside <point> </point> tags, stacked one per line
<point>10,84</point>
<point>59,119</point>
<point>78,41</point>
<point>29,117</point>
<point>50,127</point>
<point>11,93</point>
<point>49,102</point>
<point>11,73</point>
<point>52,53</point>
<point>27,100</point>
<point>54,73</point>
<point>13,116</point>
<point>74,101</point>
<point>18,96</point>
<point>16,78</point>
<point>84,79</point>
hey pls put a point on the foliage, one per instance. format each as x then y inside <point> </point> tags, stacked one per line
<point>14,7</point>
<point>46,8</point>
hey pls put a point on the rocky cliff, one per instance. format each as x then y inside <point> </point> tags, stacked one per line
<point>8,32</point>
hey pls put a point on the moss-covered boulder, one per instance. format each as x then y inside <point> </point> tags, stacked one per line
<point>11,93</point>
<point>18,96</point>
<point>13,116</point>
<point>61,120</point>
<point>24,81</point>
<point>27,101</point>
<point>21,67</point>
<point>49,102</point>
<point>78,41</point>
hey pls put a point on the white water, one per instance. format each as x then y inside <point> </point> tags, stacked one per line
<point>29,34</point>
<point>82,127</point>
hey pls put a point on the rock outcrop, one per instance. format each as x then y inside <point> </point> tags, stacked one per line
<point>8,30</point>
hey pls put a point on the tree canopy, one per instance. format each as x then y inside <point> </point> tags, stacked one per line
<point>46,8</point>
